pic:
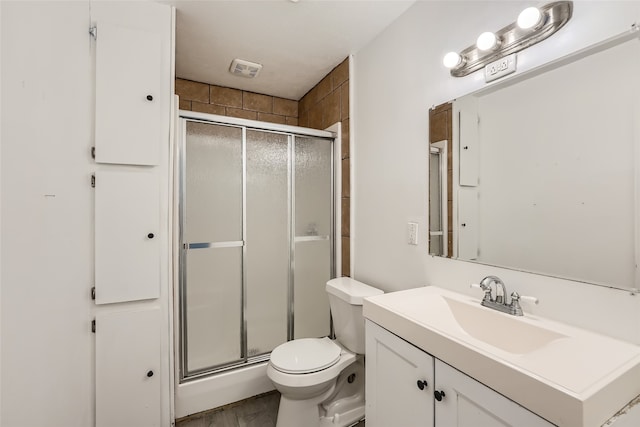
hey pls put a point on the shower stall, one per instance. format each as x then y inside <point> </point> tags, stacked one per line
<point>256,235</point>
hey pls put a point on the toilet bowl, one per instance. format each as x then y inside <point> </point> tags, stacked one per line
<point>321,381</point>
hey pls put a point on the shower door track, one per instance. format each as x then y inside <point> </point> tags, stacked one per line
<point>244,124</point>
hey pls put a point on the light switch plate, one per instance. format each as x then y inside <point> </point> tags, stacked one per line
<point>412,228</point>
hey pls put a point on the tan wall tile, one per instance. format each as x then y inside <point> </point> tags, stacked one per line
<point>303,119</point>
<point>242,114</point>
<point>331,109</point>
<point>322,89</point>
<point>346,184</point>
<point>315,117</point>
<point>192,91</point>
<point>272,118</point>
<point>304,104</point>
<point>293,121</point>
<point>346,257</point>
<point>185,104</point>
<point>285,107</point>
<point>344,95</point>
<point>257,102</point>
<point>345,139</point>
<point>207,108</point>
<point>226,96</point>
<point>346,216</point>
<point>340,74</point>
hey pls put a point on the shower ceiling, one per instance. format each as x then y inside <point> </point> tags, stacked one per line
<point>297,43</point>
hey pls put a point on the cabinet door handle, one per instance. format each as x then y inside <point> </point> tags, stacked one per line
<point>439,395</point>
<point>422,384</point>
<point>149,98</point>
<point>150,374</point>
<point>150,235</point>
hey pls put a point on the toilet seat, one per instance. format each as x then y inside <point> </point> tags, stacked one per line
<point>305,355</point>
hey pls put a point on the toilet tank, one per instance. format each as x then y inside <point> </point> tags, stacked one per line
<point>345,299</point>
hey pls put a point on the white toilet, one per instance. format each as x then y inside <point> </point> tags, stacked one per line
<point>322,380</point>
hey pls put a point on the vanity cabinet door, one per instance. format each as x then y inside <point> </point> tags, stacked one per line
<point>399,381</point>
<point>464,402</point>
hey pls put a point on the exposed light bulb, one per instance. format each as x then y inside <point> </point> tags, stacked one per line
<point>529,18</point>
<point>487,41</point>
<point>452,60</point>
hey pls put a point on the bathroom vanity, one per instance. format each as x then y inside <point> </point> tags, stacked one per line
<point>436,357</point>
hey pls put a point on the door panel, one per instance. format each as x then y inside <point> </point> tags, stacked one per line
<point>468,403</point>
<point>128,373</point>
<point>393,370</point>
<point>126,236</point>
<point>268,247</point>
<point>128,94</point>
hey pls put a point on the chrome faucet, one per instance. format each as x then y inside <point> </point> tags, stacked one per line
<point>487,281</point>
<point>500,301</point>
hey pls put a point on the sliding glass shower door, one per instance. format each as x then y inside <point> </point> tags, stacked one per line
<point>256,242</point>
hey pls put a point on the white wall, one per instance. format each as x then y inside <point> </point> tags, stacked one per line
<point>47,210</point>
<point>396,79</point>
<point>46,215</point>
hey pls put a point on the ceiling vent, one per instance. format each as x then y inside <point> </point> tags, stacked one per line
<point>243,68</point>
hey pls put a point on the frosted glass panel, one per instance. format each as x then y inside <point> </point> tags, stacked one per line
<point>267,251</point>
<point>213,294</point>
<point>311,304</point>
<point>213,183</point>
<point>312,219</point>
<point>435,204</point>
<point>313,186</point>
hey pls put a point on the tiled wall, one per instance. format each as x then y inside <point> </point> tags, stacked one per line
<point>230,102</point>
<point>325,104</point>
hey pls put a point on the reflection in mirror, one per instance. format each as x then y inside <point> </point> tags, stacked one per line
<point>438,198</point>
<point>544,171</point>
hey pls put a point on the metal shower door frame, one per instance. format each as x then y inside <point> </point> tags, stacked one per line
<point>291,132</point>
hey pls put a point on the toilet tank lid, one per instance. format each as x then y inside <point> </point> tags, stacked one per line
<point>351,290</point>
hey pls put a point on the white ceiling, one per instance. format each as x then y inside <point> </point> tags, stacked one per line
<point>297,43</point>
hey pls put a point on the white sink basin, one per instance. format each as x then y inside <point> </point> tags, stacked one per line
<point>567,375</point>
<point>499,330</point>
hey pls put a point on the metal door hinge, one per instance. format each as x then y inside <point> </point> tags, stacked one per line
<point>93,326</point>
<point>93,293</point>
<point>94,32</point>
<point>93,152</point>
<point>93,181</point>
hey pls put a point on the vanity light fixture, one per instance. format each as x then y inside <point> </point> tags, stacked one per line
<point>532,26</point>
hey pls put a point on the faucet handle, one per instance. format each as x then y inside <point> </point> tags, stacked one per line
<point>517,297</point>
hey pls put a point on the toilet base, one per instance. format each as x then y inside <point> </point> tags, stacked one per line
<point>304,413</point>
<point>340,405</point>
<point>344,419</point>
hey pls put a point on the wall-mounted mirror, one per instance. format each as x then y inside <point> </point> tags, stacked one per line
<point>543,172</point>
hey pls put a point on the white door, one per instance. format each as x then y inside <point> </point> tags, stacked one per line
<point>126,236</point>
<point>399,381</point>
<point>128,368</point>
<point>464,402</point>
<point>128,95</point>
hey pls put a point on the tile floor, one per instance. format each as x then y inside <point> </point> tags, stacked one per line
<point>258,411</point>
